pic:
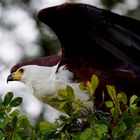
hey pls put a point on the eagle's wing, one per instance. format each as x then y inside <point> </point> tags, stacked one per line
<point>99,37</point>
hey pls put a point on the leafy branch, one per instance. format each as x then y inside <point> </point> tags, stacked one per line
<point>120,120</point>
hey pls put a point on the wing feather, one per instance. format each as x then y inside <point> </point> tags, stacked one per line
<point>106,39</point>
<point>95,41</point>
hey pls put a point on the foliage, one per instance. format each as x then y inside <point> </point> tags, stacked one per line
<point>120,120</point>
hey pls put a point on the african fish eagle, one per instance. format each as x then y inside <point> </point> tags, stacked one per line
<point>94,41</point>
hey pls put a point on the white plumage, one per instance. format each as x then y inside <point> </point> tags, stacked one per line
<point>44,83</point>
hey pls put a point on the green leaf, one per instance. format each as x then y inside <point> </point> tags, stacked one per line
<point>8,109</point>
<point>119,129</point>
<point>48,133</point>
<point>2,137</point>
<point>78,105</point>
<point>122,97</point>
<point>57,100</point>
<point>46,124</point>
<point>103,95</point>
<point>16,102</point>
<point>112,92</point>
<point>128,120</point>
<point>133,108</point>
<point>82,86</point>
<point>132,99</point>
<point>14,122</point>
<point>68,108</point>
<point>70,92</point>
<point>89,87</point>
<point>101,130</point>
<point>86,134</point>
<point>7,99</point>
<point>62,93</point>
<point>115,113</point>
<point>94,82</point>
<point>109,104</point>
<point>23,121</point>
<point>3,121</point>
<point>61,105</point>
<point>16,137</point>
<point>137,101</point>
<point>137,131</point>
<point>47,129</point>
<point>14,113</point>
<point>26,133</point>
<point>112,110</point>
<point>76,137</point>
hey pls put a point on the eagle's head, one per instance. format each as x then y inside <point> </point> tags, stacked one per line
<point>32,73</point>
<point>18,75</point>
<point>23,74</point>
<point>39,80</point>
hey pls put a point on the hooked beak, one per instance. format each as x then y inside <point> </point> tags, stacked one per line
<point>10,78</point>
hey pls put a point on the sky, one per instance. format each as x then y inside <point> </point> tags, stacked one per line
<point>25,31</point>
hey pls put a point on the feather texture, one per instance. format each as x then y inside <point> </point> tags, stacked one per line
<point>44,83</point>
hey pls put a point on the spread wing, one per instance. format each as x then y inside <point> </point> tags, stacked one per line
<point>105,39</point>
<point>97,41</point>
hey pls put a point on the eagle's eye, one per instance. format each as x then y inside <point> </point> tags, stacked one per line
<point>21,70</point>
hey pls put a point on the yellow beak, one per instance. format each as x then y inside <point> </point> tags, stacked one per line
<point>15,76</point>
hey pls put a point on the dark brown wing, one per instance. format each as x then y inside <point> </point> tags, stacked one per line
<point>97,41</point>
<point>105,38</point>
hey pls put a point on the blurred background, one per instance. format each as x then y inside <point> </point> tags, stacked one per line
<point>24,37</point>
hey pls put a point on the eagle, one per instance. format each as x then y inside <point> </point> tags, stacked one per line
<point>94,41</point>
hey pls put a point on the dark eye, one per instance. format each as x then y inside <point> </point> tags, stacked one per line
<point>21,70</point>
